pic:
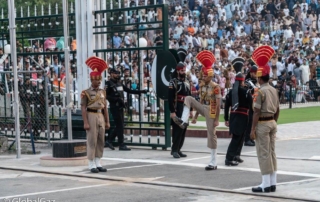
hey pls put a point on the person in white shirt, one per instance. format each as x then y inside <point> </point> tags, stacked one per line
<point>291,66</point>
<point>177,7</point>
<point>179,29</point>
<point>304,4</point>
<point>223,17</point>
<point>242,33</point>
<point>286,10</point>
<point>305,72</point>
<point>238,28</point>
<point>193,76</point>
<point>298,33</point>
<point>214,26</point>
<point>231,54</point>
<point>280,67</point>
<point>189,38</point>
<point>288,33</point>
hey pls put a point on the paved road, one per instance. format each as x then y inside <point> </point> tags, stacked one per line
<point>153,175</point>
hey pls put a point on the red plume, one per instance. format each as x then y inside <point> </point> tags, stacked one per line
<point>262,55</point>
<point>97,64</point>
<point>206,58</point>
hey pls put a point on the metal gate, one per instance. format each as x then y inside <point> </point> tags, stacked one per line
<point>41,72</point>
<point>147,117</point>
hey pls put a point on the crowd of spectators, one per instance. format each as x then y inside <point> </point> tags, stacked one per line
<point>233,29</point>
<point>229,29</point>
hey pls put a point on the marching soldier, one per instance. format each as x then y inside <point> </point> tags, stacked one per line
<point>115,95</point>
<point>264,125</point>
<point>95,114</point>
<point>209,105</point>
<point>239,117</point>
<point>179,88</point>
<point>251,77</point>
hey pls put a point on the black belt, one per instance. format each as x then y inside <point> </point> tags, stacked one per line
<point>269,118</point>
<point>95,110</point>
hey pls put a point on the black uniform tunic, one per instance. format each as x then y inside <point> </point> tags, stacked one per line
<point>115,96</point>
<point>238,121</point>
<point>178,90</point>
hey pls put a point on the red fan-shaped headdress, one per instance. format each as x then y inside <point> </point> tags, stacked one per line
<point>261,57</point>
<point>97,65</point>
<point>206,58</point>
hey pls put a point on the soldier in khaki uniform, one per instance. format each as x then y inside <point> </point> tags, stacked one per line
<point>264,125</point>
<point>209,105</point>
<point>95,114</point>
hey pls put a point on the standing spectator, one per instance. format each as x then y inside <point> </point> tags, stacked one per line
<point>305,71</point>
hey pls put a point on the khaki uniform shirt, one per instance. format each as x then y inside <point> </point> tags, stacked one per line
<point>93,98</point>
<point>267,100</point>
<point>209,92</point>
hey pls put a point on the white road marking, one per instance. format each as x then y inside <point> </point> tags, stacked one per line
<point>299,138</point>
<point>203,165</point>
<point>133,167</point>
<point>204,157</point>
<point>282,183</point>
<point>248,152</point>
<point>315,157</point>
<point>53,191</point>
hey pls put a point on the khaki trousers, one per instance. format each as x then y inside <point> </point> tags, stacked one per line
<point>265,145</point>
<point>95,135</point>
<point>204,110</point>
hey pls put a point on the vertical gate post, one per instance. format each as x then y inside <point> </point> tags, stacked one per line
<point>12,27</point>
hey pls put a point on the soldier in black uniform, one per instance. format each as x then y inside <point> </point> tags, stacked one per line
<point>179,88</point>
<point>251,77</point>
<point>114,91</point>
<point>238,117</point>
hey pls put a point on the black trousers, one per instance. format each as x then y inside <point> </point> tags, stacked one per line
<point>178,134</point>
<point>235,147</point>
<point>118,117</point>
<point>248,130</point>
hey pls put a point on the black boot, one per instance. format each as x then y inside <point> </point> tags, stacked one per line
<point>210,167</point>
<point>250,143</point>
<point>260,189</point>
<point>102,169</point>
<point>179,122</point>
<point>231,163</point>
<point>182,154</point>
<point>175,155</point>
<point>94,170</point>
<point>238,159</point>
<point>109,144</point>
<point>124,148</point>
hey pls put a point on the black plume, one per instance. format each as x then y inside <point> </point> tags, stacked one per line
<point>182,54</point>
